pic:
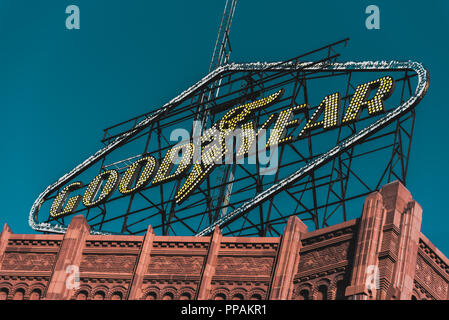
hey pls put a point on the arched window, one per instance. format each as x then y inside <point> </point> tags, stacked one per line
<point>82,295</point>
<point>4,294</point>
<point>220,296</point>
<point>185,296</point>
<point>322,293</point>
<point>151,296</point>
<point>238,296</point>
<point>341,287</point>
<point>303,295</point>
<point>117,296</point>
<point>168,296</point>
<point>99,295</point>
<point>414,298</point>
<point>35,294</point>
<point>256,296</point>
<point>19,294</point>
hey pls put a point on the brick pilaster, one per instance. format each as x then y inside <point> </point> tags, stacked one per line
<point>70,253</point>
<point>204,287</point>
<point>287,260</point>
<point>405,214</point>
<point>369,240</point>
<point>135,290</point>
<point>4,237</point>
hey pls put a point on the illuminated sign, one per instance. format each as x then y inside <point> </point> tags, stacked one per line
<point>258,122</point>
<point>140,173</point>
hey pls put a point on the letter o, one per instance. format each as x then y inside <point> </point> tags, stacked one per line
<point>112,179</point>
<point>148,165</point>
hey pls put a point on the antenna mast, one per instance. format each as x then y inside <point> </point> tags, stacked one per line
<point>220,57</point>
<point>222,49</point>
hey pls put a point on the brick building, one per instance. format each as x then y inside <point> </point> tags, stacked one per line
<point>331,263</point>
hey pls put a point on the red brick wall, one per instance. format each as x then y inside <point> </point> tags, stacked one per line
<point>330,263</point>
<point>432,273</point>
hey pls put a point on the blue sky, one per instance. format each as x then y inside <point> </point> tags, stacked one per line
<point>59,88</point>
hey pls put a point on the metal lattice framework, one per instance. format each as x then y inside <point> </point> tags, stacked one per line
<point>317,177</point>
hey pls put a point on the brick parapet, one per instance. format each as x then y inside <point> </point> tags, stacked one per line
<point>329,263</point>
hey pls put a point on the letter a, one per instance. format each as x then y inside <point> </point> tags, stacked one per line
<point>72,21</point>
<point>373,20</point>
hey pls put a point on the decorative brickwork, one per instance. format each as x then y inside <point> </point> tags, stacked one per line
<point>28,261</point>
<point>323,258</point>
<point>186,265</point>
<point>108,263</point>
<point>249,266</point>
